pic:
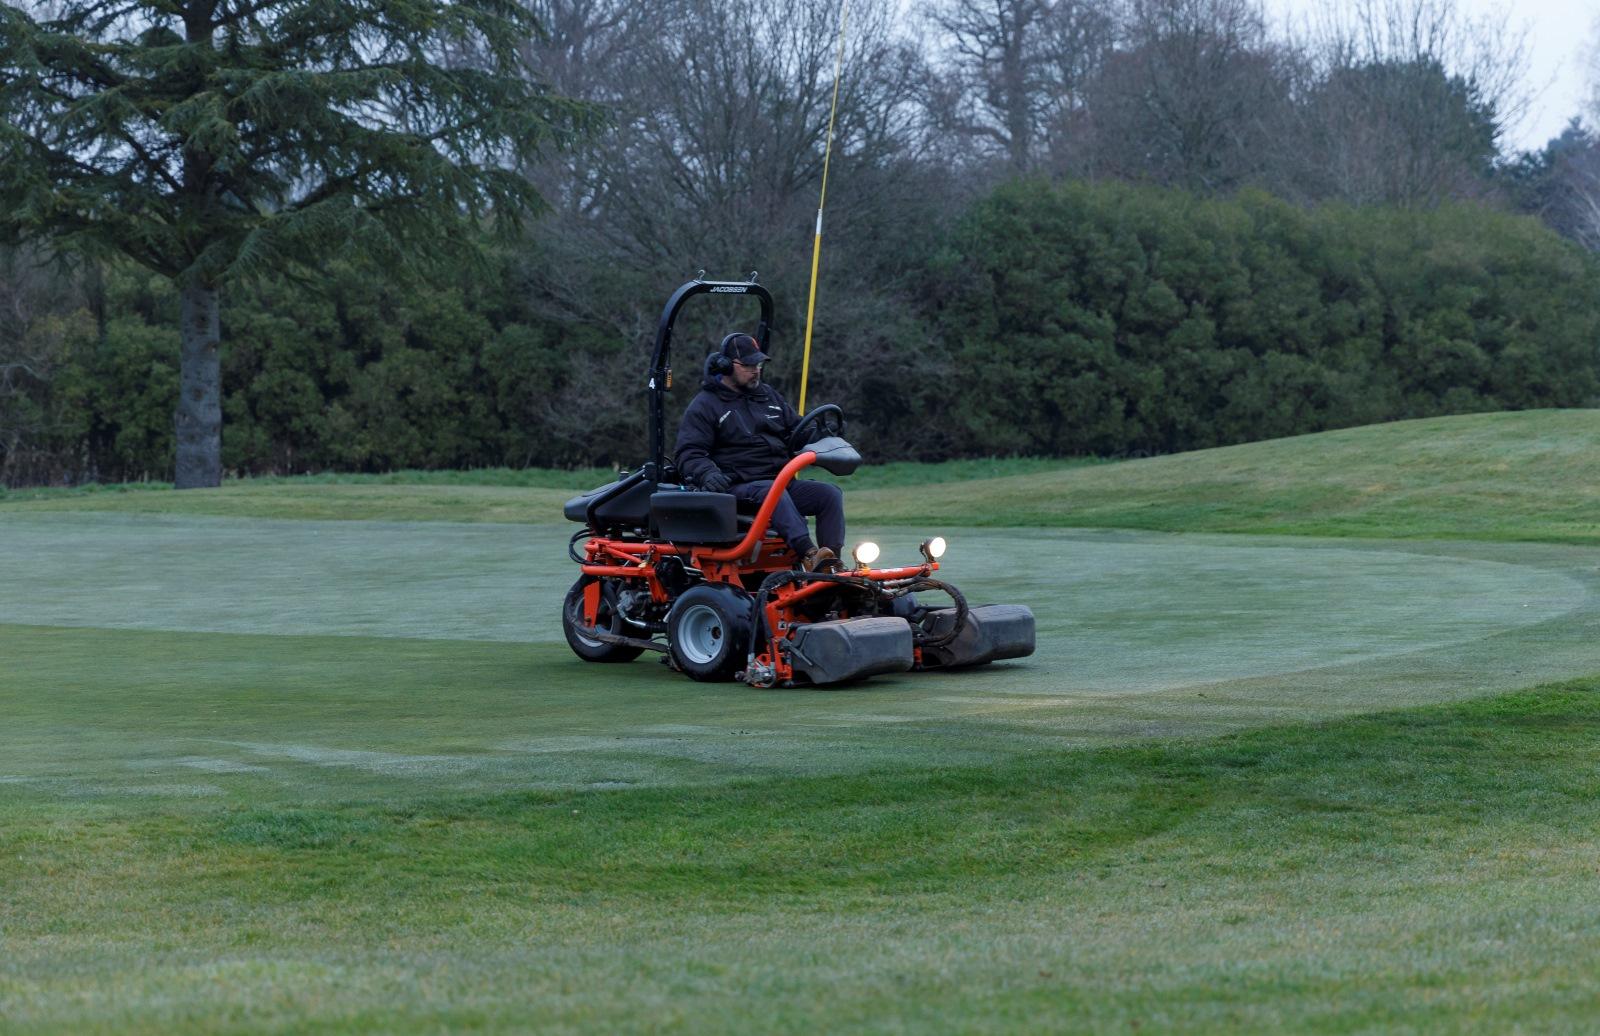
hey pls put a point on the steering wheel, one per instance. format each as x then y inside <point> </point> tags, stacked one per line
<point>827,419</point>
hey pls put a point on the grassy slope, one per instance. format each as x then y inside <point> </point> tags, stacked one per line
<point>1532,475</point>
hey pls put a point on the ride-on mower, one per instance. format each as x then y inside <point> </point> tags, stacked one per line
<point>668,567</point>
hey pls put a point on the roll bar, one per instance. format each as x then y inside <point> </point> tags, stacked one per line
<point>661,353</point>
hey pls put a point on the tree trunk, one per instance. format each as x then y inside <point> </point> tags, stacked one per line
<point>199,415</point>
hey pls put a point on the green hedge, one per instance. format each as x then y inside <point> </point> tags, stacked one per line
<point>1111,319</point>
<point>1067,319</point>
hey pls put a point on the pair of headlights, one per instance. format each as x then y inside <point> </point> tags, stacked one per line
<point>867,552</point>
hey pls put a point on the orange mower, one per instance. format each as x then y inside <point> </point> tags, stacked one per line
<point>673,569</point>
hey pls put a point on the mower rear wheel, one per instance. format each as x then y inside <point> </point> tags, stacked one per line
<point>580,634</point>
<point>708,632</point>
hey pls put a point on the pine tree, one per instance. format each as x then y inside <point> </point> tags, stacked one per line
<point>212,140</point>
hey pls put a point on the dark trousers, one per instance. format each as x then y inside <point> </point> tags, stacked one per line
<point>822,499</point>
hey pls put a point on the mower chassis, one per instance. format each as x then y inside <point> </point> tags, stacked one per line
<point>818,628</point>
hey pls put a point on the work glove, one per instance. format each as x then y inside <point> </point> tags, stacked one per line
<point>716,482</point>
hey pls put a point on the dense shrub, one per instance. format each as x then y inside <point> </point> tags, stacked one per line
<point>1111,319</point>
<point>1051,320</point>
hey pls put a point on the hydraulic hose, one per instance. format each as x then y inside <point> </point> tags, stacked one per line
<point>940,640</point>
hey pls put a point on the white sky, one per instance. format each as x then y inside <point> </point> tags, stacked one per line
<point>1561,37</point>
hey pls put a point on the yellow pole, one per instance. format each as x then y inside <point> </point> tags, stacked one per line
<point>816,244</point>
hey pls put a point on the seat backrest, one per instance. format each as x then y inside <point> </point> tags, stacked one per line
<point>693,516</point>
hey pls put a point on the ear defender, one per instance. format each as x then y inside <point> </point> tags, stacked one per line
<point>722,360</point>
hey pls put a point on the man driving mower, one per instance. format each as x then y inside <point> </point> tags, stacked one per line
<point>671,570</point>
<point>733,439</point>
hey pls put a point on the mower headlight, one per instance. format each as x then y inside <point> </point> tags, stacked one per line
<point>866,553</point>
<point>933,549</point>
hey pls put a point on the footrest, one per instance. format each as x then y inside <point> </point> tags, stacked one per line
<point>992,632</point>
<point>851,649</point>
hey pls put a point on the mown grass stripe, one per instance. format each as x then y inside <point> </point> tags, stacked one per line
<point>1443,853</point>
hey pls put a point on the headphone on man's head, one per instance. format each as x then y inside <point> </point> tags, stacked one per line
<point>721,361</point>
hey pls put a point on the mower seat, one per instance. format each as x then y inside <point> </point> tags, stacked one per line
<point>682,515</point>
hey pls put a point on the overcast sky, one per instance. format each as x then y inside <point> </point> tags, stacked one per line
<point>1561,37</point>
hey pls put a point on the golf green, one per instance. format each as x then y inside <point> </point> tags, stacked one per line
<point>264,659</point>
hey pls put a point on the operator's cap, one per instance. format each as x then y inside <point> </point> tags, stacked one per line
<point>744,349</point>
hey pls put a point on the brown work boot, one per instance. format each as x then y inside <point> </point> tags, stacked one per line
<point>820,559</point>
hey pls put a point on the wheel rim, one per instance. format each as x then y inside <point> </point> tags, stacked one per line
<point>701,634</point>
<point>575,621</point>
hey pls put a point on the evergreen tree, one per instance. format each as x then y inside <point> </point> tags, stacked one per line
<point>211,140</point>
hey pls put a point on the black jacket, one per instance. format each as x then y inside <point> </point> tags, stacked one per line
<point>743,434</point>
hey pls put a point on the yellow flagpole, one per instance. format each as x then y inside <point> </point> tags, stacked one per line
<point>816,245</point>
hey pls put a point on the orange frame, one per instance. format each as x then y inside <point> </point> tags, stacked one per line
<point>756,552</point>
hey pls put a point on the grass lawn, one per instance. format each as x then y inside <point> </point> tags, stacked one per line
<point>1529,475</point>
<point>1346,780</point>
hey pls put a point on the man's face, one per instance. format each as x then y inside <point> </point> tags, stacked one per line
<point>746,376</point>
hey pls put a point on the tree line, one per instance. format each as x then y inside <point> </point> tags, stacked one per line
<point>1052,228</point>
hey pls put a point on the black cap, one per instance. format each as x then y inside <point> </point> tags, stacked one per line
<point>743,349</point>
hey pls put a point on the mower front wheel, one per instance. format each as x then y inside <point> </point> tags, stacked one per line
<point>580,635</point>
<point>708,632</point>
